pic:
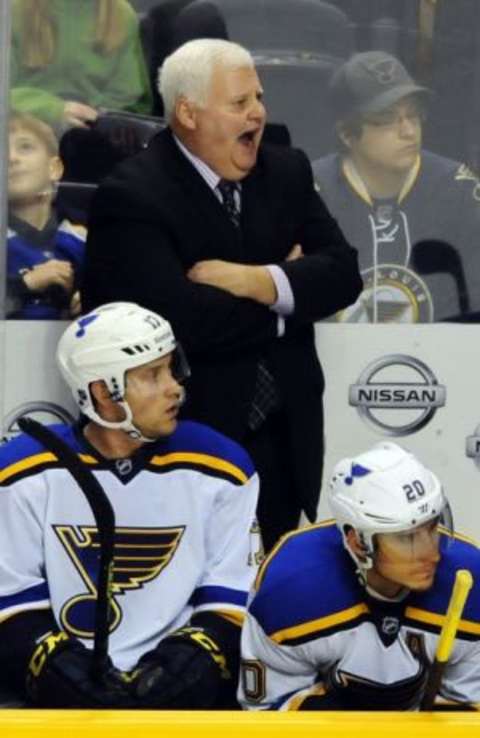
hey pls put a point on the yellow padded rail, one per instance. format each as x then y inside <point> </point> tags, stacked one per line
<point>151,724</point>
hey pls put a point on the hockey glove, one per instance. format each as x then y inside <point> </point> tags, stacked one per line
<point>59,676</point>
<point>184,671</point>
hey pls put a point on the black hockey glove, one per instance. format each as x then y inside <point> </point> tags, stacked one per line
<point>183,672</point>
<point>59,676</point>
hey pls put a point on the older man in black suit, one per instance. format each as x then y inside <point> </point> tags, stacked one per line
<point>228,239</point>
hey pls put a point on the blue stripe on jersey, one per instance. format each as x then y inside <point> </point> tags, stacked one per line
<point>198,438</point>
<point>309,577</point>
<point>188,437</point>
<point>23,446</point>
<point>38,593</point>
<point>209,595</point>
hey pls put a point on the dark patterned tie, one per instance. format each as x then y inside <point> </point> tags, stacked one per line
<point>265,396</point>
<point>227,190</point>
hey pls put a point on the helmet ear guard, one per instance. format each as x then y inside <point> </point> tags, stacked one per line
<point>104,345</point>
<point>384,490</point>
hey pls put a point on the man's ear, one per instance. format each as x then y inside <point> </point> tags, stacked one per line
<point>100,391</point>
<point>344,137</point>
<point>104,405</point>
<point>186,113</point>
<point>355,544</point>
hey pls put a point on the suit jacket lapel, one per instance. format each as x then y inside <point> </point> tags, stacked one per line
<point>212,215</point>
<point>256,216</point>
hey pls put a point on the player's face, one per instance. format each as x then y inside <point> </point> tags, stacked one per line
<point>154,396</point>
<point>31,168</point>
<point>390,140</point>
<point>229,127</point>
<point>406,559</point>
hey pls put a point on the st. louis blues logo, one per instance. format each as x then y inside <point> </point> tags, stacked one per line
<point>140,555</point>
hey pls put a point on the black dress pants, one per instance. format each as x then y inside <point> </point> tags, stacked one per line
<point>278,507</point>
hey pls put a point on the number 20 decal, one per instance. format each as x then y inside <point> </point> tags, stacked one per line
<point>414,490</point>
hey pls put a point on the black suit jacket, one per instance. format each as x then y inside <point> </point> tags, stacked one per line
<point>155,216</point>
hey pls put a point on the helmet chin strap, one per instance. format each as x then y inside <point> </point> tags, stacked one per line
<point>127,425</point>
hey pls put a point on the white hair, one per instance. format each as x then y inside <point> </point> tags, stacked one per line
<point>187,72</point>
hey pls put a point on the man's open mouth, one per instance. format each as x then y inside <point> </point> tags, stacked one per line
<point>248,137</point>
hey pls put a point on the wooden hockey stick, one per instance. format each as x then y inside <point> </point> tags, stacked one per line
<point>105,522</point>
<point>461,588</point>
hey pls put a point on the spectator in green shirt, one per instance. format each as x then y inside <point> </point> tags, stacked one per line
<point>69,59</point>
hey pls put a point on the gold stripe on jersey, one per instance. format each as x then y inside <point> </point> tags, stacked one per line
<point>318,690</point>
<point>263,569</point>
<point>37,460</point>
<point>314,626</point>
<point>29,463</point>
<point>433,618</point>
<point>87,459</point>
<point>358,186</point>
<point>183,457</point>
<point>234,617</point>
<point>458,536</point>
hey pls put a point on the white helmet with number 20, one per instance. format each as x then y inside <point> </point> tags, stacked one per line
<point>104,344</point>
<point>384,490</point>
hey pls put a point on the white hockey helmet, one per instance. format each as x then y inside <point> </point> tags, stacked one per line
<point>104,344</point>
<point>384,490</point>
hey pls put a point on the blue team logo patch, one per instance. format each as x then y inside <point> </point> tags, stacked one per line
<point>357,471</point>
<point>140,556</point>
<point>82,324</point>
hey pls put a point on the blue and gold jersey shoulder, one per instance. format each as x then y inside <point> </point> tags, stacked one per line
<point>23,456</point>
<point>449,181</point>
<point>307,588</point>
<point>199,448</point>
<point>427,609</point>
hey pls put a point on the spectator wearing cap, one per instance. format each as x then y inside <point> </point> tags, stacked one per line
<point>413,215</point>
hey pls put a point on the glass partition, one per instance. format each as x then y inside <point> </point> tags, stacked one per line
<point>384,97</point>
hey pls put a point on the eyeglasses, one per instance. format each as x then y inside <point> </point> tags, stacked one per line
<point>395,117</point>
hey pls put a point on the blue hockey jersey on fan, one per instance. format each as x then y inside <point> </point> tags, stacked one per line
<point>419,253</point>
<point>28,247</point>
<point>311,623</point>
<point>185,537</point>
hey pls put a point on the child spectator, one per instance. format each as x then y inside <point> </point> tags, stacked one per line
<point>44,256</point>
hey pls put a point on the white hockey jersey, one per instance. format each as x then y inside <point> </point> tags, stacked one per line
<point>311,623</point>
<point>185,540</point>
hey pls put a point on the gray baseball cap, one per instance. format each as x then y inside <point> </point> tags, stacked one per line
<point>370,82</point>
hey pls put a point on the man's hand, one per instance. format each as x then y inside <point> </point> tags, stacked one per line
<point>241,280</point>
<point>59,675</point>
<point>183,672</point>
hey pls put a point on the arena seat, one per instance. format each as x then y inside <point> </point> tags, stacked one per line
<point>295,87</point>
<point>306,25</point>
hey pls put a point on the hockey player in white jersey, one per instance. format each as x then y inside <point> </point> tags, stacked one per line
<point>184,498</point>
<point>346,614</point>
